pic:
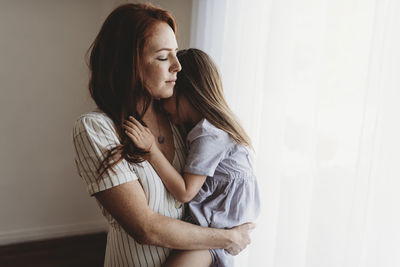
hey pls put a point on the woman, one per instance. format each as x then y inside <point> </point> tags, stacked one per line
<point>133,61</point>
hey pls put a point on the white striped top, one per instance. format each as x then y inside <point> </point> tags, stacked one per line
<point>93,135</point>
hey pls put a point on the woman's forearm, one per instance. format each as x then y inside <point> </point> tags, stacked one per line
<point>171,233</point>
<point>175,234</point>
<point>127,203</point>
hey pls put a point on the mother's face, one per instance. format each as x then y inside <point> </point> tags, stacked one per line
<point>160,64</point>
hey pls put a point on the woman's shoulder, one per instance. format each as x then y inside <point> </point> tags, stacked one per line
<point>93,121</point>
<point>95,115</point>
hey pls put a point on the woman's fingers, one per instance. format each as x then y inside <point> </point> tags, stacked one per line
<point>250,226</point>
<point>242,238</point>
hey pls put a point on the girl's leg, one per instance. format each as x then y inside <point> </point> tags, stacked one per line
<point>189,258</point>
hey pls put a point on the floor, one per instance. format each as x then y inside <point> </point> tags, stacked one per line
<point>86,250</point>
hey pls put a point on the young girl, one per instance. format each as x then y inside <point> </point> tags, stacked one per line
<point>218,182</point>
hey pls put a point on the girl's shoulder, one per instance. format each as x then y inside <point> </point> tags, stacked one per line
<point>205,129</point>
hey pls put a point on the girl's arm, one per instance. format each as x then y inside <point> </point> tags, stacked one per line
<point>128,205</point>
<point>182,188</point>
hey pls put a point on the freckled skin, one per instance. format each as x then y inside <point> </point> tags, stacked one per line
<point>160,62</point>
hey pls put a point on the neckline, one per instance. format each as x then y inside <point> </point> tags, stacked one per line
<point>173,129</point>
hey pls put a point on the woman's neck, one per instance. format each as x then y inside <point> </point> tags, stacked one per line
<point>152,117</point>
<point>150,112</point>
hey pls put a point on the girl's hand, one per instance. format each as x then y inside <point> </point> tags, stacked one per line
<point>139,134</point>
<point>240,238</point>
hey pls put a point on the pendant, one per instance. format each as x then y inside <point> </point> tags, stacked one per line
<point>160,139</point>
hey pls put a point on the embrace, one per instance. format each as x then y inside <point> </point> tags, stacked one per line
<point>166,159</point>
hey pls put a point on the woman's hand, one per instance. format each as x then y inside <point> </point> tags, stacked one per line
<point>241,238</point>
<point>139,134</point>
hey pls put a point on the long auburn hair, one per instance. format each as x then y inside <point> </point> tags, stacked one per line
<point>116,80</point>
<point>200,83</point>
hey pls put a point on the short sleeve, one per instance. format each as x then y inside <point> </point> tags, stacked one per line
<point>206,150</point>
<point>93,136</point>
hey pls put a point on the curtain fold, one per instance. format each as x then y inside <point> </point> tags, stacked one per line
<point>315,83</point>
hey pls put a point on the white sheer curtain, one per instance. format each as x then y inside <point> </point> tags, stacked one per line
<point>316,84</point>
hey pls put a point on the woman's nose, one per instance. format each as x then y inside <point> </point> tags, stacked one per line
<point>176,66</point>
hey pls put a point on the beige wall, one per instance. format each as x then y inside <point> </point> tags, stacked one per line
<point>43,80</point>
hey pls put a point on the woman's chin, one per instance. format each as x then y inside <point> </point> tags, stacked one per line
<point>166,94</point>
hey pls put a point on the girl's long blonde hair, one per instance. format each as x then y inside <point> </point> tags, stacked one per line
<point>200,83</point>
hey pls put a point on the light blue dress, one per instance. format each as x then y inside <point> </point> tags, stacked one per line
<point>230,195</point>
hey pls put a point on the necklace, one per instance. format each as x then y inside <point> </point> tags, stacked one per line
<point>160,137</point>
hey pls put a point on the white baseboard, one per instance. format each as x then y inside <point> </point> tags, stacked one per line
<point>52,231</point>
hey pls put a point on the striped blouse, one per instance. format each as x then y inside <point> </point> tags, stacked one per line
<point>93,135</point>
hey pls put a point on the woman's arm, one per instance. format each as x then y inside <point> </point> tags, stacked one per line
<point>128,205</point>
<point>184,188</point>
